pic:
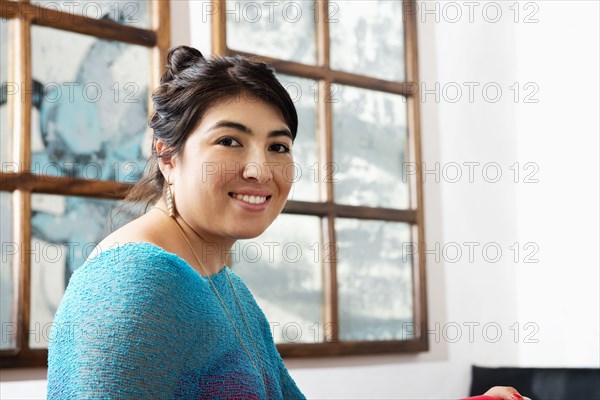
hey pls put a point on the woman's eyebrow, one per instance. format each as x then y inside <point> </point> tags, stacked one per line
<point>244,129</point>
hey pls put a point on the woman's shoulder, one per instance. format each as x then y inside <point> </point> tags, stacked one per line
<point>130,252</point>
<point>137,231</point>
<point>134,259</point>
<point>145,238</point>
<point>136,245</point>
<point>133,276</point>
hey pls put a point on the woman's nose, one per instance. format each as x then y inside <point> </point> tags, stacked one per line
<point>258,168</point>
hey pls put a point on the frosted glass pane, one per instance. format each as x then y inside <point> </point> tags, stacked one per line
<point>279,29</point>
<point>282,268</point>
<point>7,317</point>
<point>369,130</point>
<point>374,280</point>
<point>4,139</point>
<point>90,110</point>
<point>135,13</point>
<point>305,177</point>
<point>64,230</point>
<point>367,38</point>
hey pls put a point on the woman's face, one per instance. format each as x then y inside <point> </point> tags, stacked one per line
<point>235,172</point>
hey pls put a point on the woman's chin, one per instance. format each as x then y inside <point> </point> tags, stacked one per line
<point>249,229</point>
<point>248,233</point>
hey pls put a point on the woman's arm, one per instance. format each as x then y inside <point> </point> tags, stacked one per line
<point>119,332</point>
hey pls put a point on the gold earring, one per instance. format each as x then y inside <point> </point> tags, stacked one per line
<point>170,202</point>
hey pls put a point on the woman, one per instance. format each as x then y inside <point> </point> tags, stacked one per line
<point>155,312</point>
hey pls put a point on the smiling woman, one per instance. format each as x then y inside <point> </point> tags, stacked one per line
<point>155,312</point>
<point>169,318</point>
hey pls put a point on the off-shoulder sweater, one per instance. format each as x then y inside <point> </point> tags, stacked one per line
<point>137,322</point>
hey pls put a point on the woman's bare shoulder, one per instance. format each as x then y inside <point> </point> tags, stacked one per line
<point>142,229</point>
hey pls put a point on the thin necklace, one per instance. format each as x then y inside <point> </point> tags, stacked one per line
<point>262,369</point>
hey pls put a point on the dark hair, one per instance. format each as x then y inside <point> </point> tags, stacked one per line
<point>189,87</point>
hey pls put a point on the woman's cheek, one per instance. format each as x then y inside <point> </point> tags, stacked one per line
<point>287,174</point>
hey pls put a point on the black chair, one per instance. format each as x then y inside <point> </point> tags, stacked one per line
<point>540,383</point>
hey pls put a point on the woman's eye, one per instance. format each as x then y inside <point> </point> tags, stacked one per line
<point>280,148</point>
<point>230,142</point>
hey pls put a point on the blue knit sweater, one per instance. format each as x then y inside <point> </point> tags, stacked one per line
<point>137,322</point>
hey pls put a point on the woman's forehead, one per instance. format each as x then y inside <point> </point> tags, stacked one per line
<point>244,110</point>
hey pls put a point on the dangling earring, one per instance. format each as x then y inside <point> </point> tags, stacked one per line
<point>170,202</point>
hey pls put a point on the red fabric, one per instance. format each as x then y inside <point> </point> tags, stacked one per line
<point>482,397</point>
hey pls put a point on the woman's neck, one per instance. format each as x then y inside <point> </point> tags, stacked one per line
<point>210,252</point>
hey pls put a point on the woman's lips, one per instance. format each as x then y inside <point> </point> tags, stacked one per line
<point>250,202</point>
<point>249,198</point>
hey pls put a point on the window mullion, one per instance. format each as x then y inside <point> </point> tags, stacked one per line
<point>330,289</point>
<point>416,182</point>
<point>219,28</point>
<point>20,108</point>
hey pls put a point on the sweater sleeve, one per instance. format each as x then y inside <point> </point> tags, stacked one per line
<point>121,330</point>
<point>288,387</point>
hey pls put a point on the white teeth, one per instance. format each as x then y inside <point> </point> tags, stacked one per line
<point>250,199</point>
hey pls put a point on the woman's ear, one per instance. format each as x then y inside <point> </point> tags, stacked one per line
<point>166,163</point>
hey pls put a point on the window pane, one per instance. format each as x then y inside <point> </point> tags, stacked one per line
<point>7,317</point>
<point>135,13</point>
<point>4,139</point>
<point>90,109</point>
<point>282,29</point>
<point>375,280</point>
<point>64,230</point>
<point>305,178</point>
<point>369,152</point>
<point>282,269</point>
<point>367,38</point>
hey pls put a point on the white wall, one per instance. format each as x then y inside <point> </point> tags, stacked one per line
<point>561,212</point>
<point>559,295</point>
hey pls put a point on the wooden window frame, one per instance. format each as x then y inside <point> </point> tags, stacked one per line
<point>22,183</point>
<point>326,76</point>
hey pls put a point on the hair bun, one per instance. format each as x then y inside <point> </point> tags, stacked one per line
<point>179,59</point>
